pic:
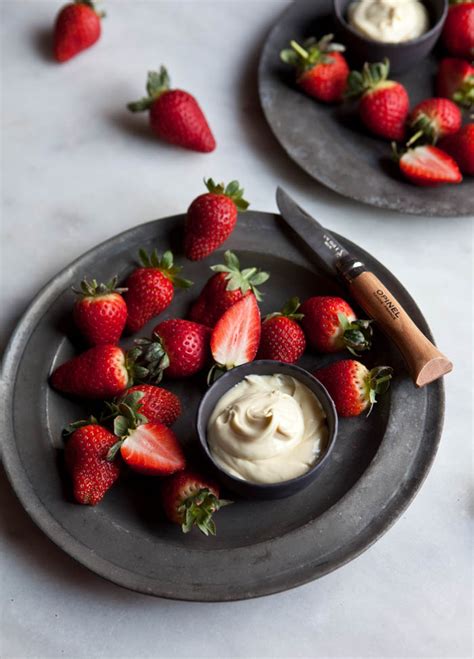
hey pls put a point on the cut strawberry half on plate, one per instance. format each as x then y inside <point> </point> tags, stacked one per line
<point>428,165</point>
<point>236,336</point>
<point>152,448</point>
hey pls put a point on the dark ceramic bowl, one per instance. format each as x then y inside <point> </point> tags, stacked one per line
<point>402,56</point>
<point>233,377</point>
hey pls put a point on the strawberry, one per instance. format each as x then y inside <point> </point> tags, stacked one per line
<point>455,80</point>
<point>461,148</point>
<point>211,218</point>
<point>321,70</point>
<point>77,28</point>
<point>225,288</point>
<point>100,311</point>
<point>190,499</point>
<point>86,460</point>
<point>434,118</point>
<point>151,288</point>
<point>330,325</point>
<point>428,165</point>
<point>103,371</point>
<point>282,338</point>
<point>384,104</point>
<point>352,386</point>
<point>178,346</point>
<point>175,115</point>
<point>236,336</point>
<point>149,448</point>
<point>157,404</point>
<point>458,29</point>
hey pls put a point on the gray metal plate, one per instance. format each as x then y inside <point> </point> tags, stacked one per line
<point>261,547</point>
<point>328,141</point>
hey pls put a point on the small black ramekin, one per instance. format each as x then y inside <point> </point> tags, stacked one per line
<point>402,56</point>
<point>233,377</point>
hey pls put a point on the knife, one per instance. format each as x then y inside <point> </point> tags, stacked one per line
<point>424,361</point>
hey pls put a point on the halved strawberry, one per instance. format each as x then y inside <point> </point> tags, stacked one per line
<point>153,449</point>
<point>147,447</point>
<point>427,165</point>
<point>236,336</point>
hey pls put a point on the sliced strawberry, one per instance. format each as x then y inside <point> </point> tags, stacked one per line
<point>152,448</point>
<point>236,336</point>
<point>428,165</point>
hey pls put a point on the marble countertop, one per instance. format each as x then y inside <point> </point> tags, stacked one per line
<point>77,168</point>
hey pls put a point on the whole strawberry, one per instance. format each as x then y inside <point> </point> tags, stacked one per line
<point>147,447</point>
<point>86,460</point>
<point>321,70</point>
<point>175,115</point>
<point>236,336</point>
<point>77,28</point>
<point>157,404</point>
<point>434,118</point>
<point>352,386</point>
<point>150,288</point>
<point>282,339</point>
<point>190,499</point>
<point>229,285</point>
<point>100,311</point>
<point>461,148</point>
<point>330,325</point>
<point>427,165</point>
<point>104,371</point>
<point>384,104</point>
<point>179,347</point>
<point>211,218</point>
<point>458,30</point>
<point>455,80</point>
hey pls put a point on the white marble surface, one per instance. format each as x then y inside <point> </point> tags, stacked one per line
<point>78,169</point>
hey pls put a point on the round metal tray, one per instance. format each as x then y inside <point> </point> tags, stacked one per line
<point>261,547</point>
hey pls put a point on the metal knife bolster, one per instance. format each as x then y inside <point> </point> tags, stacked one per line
<point>350,268</point>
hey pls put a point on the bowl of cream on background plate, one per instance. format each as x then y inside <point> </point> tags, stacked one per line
<point>404,31</point>
<point>267,427</point>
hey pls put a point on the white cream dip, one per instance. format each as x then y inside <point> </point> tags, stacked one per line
<point>390,21</point>
<point>267,429</point>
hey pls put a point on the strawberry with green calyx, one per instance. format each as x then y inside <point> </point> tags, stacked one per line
<point>229,285</point>
<point>104,371</point>
<point>427,165</point>
<point>211,218</point>
<point>100,312</point>
<point>433,119</point>
<point>352,386</point>
<point>282,339</point>
<point>330,325</point>
<point>178,347</point>
<point>157,404</point>
<point>175,115</point>
<point>384,103</point>
<point>190,499</point>
<point>86,460</point>
<point>321,70</point>
<point>150,288</point>
<point>236,336</point>
<point>77,27</point>
<point>455,80</point>
<point>146,447</point>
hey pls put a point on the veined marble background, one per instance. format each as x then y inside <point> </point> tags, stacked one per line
<point>76,169</point>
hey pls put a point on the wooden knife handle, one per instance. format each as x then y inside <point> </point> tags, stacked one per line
<point>425,362</point>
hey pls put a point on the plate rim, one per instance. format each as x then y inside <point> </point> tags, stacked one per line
<point>41,516</point>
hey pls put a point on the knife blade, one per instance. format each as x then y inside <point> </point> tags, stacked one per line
<point>424,361</point>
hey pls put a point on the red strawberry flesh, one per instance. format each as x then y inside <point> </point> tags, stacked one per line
<point>236,336</point>
<point>153,449</point>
